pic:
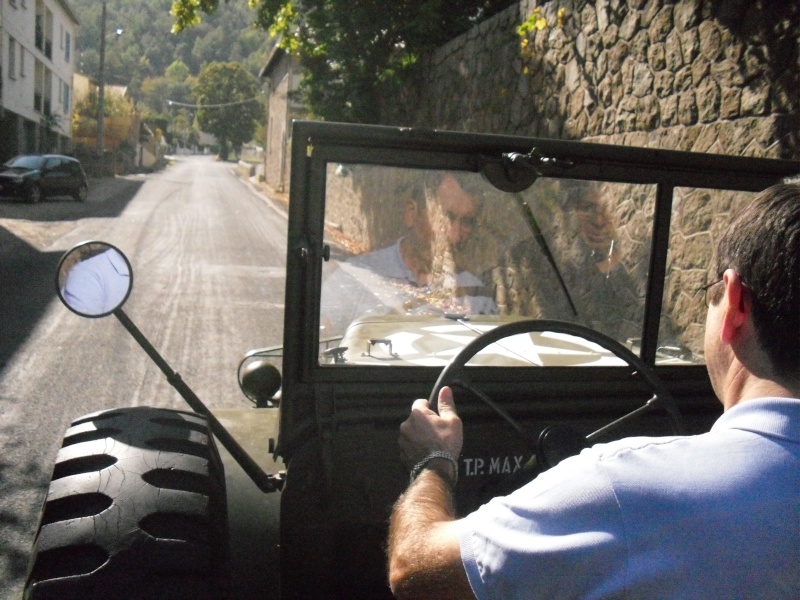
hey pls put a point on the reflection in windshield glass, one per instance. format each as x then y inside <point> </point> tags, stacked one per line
<point>410,248</point>
<point>699,217</point>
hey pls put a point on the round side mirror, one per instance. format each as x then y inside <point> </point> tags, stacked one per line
<point>94,279</point>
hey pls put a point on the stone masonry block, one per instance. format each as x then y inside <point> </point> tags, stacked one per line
<point>629,26</point>
<point>639,45</point>
<point>656,56</point>
<point>708,101</point>
<point>710,40</point>
<point>661,25</point>
<point>642,80</point>
<point>687,108</point>
<point>686,15</point>
<point>663,83</point>
<point>690,45</point>
<point>730,103</point>
<point>669,111</point>
<point>700,70</point>
<point>755,99</point>
<point>673,53</point>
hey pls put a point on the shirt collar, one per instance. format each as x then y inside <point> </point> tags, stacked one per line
<point>775,417</point>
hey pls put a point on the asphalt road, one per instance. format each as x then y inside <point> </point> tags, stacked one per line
<point>208,254</point>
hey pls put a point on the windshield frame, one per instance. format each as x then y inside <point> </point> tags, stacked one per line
<point>315,145</point>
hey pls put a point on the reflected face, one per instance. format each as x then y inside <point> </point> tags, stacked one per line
<point>594,220</point>
<point>460,210</point>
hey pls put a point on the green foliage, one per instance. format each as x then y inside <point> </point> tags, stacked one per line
<point>84,115</point>
<point>177,72</point>
<point>147,47</point>
<point>229,103</point>
<point>533,24</point>
<point>354,53</point>
<point>537,21</point>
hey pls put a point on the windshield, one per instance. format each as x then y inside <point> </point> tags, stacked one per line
<point>425,260</point>
<point>25,162</point>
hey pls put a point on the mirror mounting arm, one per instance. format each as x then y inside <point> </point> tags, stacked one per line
<point>265,482</point>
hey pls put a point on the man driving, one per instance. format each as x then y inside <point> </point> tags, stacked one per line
<point>715,515</point>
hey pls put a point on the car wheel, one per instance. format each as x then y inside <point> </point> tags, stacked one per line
<point>35,194</point>
<point>81,193</point>
<point>136,509</point>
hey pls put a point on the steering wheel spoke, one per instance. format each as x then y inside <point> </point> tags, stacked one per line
<point>454,374</point>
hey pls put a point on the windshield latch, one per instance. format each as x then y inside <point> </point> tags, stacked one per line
<point>384,341</point>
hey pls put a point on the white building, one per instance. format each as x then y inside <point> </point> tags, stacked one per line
<point>37,55</point>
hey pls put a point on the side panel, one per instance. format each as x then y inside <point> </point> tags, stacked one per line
<point>254,516</point>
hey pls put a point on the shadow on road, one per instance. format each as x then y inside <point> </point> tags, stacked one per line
<point>26,272</point>
<point>20,483</point>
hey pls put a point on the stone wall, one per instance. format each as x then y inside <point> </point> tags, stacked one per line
<point>717,76</point>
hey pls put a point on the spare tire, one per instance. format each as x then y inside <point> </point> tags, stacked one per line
<point>136,509</point>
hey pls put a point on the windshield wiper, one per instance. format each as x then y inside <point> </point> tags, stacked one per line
<point>515,173</point>
<point>533,224</point>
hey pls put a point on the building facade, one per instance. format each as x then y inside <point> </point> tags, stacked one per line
<point>37,56</point>
<point>282,73</point>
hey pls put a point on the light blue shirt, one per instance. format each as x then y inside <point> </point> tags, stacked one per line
<point>388,262</point>
<point>712,516</point>
<point>98,285</point>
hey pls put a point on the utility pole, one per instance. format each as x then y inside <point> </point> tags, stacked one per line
<point>101,90</point>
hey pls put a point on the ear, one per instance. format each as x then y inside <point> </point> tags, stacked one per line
<point>736,304</point>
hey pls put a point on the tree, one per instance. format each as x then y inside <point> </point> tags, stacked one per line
<point>177,72</point>
<point>354,53</point>
<point>229,104</point>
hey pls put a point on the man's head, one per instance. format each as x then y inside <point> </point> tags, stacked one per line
<point>592,212</point>
<point>460,205</point>
<point>762,245</point>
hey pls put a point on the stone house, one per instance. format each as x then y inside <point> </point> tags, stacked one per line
<point>282,74</point>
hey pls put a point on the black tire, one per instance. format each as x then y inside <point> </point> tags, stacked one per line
<point>35,194</point>
<point>81,193</point>
<point>136,509</point>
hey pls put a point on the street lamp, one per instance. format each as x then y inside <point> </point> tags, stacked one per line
<point>101,91</point>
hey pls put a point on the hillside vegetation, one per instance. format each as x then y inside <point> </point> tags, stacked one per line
<point>147,46</point>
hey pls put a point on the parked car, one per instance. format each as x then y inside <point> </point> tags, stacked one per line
<point>36,177</point>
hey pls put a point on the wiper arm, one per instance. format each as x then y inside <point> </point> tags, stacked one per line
<point>537,234</point>
<point>513,174</point>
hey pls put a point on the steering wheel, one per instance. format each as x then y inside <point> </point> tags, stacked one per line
<point>455,373</point>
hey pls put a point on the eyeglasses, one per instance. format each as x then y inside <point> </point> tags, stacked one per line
<point>707,287</point>
<point>466,221</point>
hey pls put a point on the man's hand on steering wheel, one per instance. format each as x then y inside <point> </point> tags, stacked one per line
<point>425,432</point>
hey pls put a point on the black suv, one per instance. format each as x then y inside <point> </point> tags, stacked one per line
<point>36,176</point>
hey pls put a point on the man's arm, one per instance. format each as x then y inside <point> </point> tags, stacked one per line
<point>424,551</point>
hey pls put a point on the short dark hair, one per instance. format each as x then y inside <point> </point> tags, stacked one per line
<point>763,245</point>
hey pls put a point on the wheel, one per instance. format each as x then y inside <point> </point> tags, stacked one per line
<point>35,194</point>
<point>136,509</point>
<point>454,374</point>
<point>81,193</point>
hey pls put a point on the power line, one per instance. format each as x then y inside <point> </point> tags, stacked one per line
<point>174,103</point>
